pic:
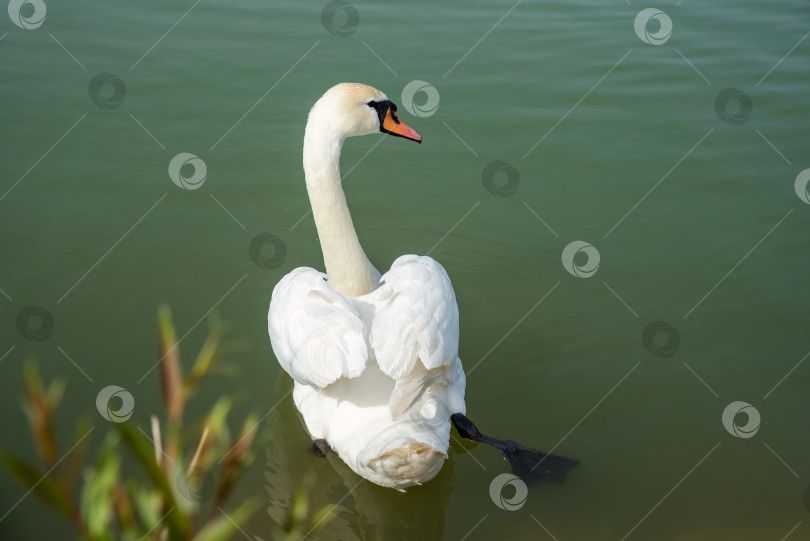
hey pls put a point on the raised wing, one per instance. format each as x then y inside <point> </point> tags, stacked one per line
<point>316,333</point>
<point>416,317</point>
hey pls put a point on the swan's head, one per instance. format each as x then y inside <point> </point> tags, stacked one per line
<point>353,109</point>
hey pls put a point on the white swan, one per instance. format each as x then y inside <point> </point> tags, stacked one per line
<point>374,358</point>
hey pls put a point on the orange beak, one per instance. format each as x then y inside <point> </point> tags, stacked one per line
<point>393,125</point>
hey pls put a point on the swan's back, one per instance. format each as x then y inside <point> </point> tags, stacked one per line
<point>377,376</point>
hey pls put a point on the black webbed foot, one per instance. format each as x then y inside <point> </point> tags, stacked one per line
<point>529,464</point>
<point>532,465</point>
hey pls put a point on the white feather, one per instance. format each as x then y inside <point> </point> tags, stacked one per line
<point>416,317</point>
<point>315,331</point>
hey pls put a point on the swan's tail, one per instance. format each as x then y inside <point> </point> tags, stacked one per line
<point>529,464</point>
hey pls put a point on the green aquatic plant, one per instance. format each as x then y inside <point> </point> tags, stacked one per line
<point>175,497</point>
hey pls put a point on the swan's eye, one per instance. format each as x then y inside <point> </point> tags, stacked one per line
<point>381,107</point>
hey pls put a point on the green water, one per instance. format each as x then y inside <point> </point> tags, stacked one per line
<point>696,221</point>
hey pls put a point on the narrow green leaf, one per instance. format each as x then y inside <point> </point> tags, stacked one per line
<point>221,529</point>
<point>124,509</point>
<point>53,395</point>
<point>147,503</point>
<point>205,359</point>
<point>171,375</point>
<point>247,435</point>
<point>128,535</point>
<point>237,459</point>
<point>31,478</point>
<point>33,383</point>
<point>97,498</point>
<point>39,409</point>
<point>143,452</point>
<point>217,416</point>
<point>73,464</point>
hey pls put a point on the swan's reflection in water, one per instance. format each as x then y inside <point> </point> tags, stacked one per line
<point>362,509</point>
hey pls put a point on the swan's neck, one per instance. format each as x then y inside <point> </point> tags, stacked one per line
<point>349,270</point>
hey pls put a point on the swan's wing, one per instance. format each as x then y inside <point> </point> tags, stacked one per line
<point>416,317</point>
<point>315,331</point>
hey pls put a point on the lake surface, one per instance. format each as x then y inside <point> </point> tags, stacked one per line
<point>556,123</point>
